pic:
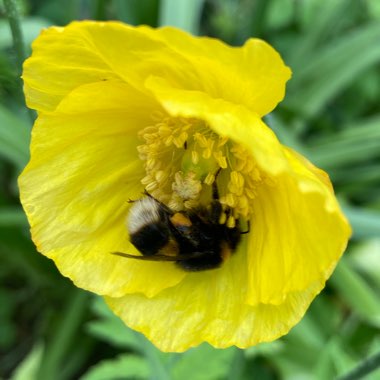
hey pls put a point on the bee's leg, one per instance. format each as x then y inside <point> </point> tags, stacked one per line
<point>215,192</point>
<point>145,193</point>
<point>162,205</point>
<point>216,207</point>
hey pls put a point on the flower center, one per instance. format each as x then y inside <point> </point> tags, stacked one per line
<point>182,157</point>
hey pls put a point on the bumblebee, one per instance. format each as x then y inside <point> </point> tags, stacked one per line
<point>194,239</point>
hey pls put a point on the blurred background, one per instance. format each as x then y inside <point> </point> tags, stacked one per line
<point>51,330</point>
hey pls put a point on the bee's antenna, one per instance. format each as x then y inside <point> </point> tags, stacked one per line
<point>215,192</point>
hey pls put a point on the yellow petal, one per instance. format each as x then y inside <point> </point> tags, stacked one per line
<point>298,234</point>
<point>210,307</point>
<point>61,61</point>
<point>64,58</point>
<point>226,119</point>
<point>88,52</point>
<point>253,75</point>
<point>75,190</point>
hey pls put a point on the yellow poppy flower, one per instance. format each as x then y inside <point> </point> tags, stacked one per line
<point>123,109</point>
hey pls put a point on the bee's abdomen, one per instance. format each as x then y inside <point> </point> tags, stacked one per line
<point>150,238</point>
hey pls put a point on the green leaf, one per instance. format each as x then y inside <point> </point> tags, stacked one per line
<point>28,368</point>
<point>59,346</point>
<point>8,327</point>
<point>18,252</point>
<point>357,293</point>
<point>333,359</point>
<point>279,13</point>
<point>333,68</point>
<point>110,328</point>
<point>183,14</point>
<point>373,8</point>
<point>315,29</point>
<point>354,144</point>
<point>137,12</point>
<point>12,216</point>
<point>341,359</point>
<point>365,223</point>
<point>31,27</point>
<point>126,366</point>
<point>364,174</point>
<point>203,360</point>
<point>365,257</point>
<point>14,138</point>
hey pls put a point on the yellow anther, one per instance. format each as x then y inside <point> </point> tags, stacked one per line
<point>147,179</point>
<point>222,141</point>
<point>231,222</point>
<point>161,175</point>
<point>220,159</point>
<point>201,139</point>
<point>250,193</point>
<point>148,130</point>
<point>249,166</point>
<point>243,202</point>
<point>183,136</point>
<point>230,200</point>
<point>194,157</point>
<point>180,140</point>
<point>151,163</point>
<point>206,153</point>
<point>209,180</point>
<point>143,149</point>
<point>191,204</point>
<point>151,186</point>
<point>164,130</point>
<point>233,177</point>
<point>239,165</point>
<point>169,140</point>
<point>255,174</point>
<point>223,218</point>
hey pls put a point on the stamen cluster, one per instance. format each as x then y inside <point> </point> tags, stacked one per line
<point>182,157</point>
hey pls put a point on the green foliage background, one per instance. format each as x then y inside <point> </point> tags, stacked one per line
<point>331,114</point>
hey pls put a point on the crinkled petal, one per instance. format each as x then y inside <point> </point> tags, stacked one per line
<point>298,233</point>
<point>226,119</point>
<point>61,61</point>
<point>211,307</point>
<point>75,190</point>
<point>63,58</point>
<point>253,75</point>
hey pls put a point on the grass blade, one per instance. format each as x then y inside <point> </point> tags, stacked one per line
<point>14,138</point>
<point>332,69</point>
<point>183,14</point>
<point>357,293</point>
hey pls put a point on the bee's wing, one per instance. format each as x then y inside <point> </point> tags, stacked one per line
<point>159,257</point>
